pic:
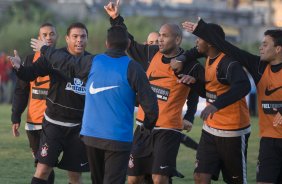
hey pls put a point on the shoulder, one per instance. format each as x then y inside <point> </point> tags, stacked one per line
<point>135,66</point>
<point>227,62</point>
<point>87,53</point>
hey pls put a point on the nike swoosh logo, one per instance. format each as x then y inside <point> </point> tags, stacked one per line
<point>269,92</point>
<point>40,83</point>
<point>83,164</point>
<point>151,78</point>
<point>163,167</point>
<point>93,90</point>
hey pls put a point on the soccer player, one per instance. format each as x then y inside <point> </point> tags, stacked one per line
<point>266,72</point>
<point>226,117</point>
<point>108,114</point>
<point>63,115</point>
<point>152,39</point>
<point>156,153</point>
<point>33,94</point>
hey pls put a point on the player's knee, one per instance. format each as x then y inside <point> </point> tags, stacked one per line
<point>200,178</point>
<point>74,177</point>
<point>160,179</point>
<point>42,171</point>
<point>134,179</point>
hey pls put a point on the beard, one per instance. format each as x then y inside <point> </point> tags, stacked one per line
<point>167,51</point>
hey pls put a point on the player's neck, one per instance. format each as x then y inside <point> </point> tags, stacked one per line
<point>213,53</point>
<point>276,61</point>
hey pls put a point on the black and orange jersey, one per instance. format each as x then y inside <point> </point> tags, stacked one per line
<point>235,116</point>
<point>171,95</point>
<point>38,92</point>
<point>269,91</point>
<point>267,79</point>
<point>31,94</point>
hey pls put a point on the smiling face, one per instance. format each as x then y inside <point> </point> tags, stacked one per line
<point>169,41</point>
<point>76,41</point>
<point>49,33</point>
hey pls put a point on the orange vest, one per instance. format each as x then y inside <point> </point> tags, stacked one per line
<point>171,95</point>
<point>269,91</point>
<point>38,92</point>
<point>232,117</point>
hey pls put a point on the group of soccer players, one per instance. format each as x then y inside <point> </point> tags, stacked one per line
<point>97,135</point>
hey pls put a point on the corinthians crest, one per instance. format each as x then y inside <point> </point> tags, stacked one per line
<point>44,150</point>
<point>130,162</point>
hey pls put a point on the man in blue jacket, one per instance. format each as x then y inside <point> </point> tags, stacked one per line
<point>113,82</point>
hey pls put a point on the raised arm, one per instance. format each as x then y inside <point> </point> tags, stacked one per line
<point>67,64</point>
<point>29,73</point>
<point>204,31</point>
<point>62,61</point>
<point>139,52</point>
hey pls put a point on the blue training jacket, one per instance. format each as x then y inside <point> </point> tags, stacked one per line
<point>109,102</point>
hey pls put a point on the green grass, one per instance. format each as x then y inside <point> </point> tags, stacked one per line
<point>16,163</point>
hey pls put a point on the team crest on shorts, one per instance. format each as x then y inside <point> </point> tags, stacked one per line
<point>130,163</point>
<point>44,150</point>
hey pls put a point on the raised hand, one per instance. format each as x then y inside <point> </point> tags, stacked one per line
<point>37,44</point>
<point>16,60</point>
<point>190,26</point>
<point>112,9</point>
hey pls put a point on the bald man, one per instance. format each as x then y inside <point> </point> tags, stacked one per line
<point>153,38</point>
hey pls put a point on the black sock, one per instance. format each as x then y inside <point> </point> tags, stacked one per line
<point>38,181</point>
<point>51,178</point>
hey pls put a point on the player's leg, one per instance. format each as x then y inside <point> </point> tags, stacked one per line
<point>74,158</point>
<point>49,151</point>
<point>96,163</point>
<point>269,168</point>
<point>118,159</point>
<point>34,142</point>
<point>140,159</point>
<point>207,164</point>
<point>166,146</point>
<point>233,152</point>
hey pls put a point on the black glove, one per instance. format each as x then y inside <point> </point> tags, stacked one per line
<point>148,125</point>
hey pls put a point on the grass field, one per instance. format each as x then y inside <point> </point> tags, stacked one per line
<point>16,163</point>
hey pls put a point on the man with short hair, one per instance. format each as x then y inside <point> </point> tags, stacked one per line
<point>152,38</point>
<point>33,94</point>
<point>226,129</point>
<point>63,115</point>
